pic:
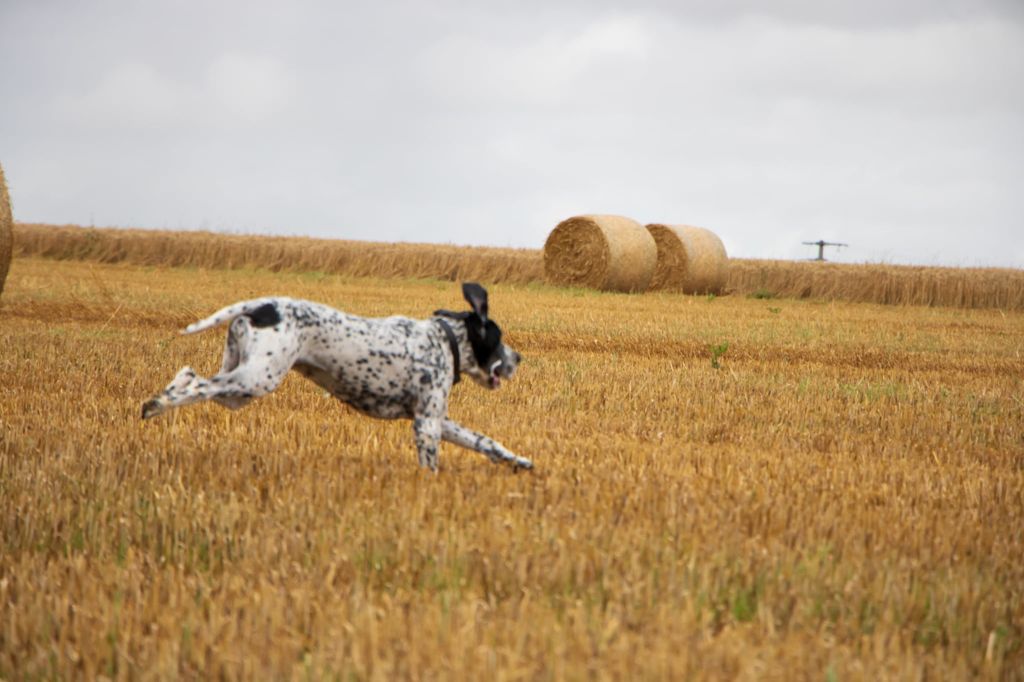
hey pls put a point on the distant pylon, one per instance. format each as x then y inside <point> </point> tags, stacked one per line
<point>821,244</point>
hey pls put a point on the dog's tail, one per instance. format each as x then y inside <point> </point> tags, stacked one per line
<point>263,312</point>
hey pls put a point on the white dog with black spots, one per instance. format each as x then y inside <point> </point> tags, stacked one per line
<point>389,368</point>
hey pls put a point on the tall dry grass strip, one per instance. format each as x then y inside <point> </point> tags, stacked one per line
<point>1001,288</point>
<point>607,252</point>
<point>290,254</point>
<point>877,283</point>
<point>690,259</point>
<point>6,230</point>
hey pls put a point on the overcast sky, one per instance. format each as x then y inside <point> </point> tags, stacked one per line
<point>896,126</point>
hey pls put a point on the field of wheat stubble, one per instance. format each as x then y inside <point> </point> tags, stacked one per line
<point>725,488</point>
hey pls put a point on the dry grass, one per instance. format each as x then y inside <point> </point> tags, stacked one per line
<point>886,284</point>
<point>606,252</point>
<point>278,254</point>
<point>889,284</point>
<point>843,499</point>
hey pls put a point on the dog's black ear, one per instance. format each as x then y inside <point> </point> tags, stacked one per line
<point>477,297</point>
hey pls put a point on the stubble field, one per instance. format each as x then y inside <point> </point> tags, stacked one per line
<point>842,497</point>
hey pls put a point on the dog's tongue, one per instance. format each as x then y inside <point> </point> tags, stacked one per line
<point>495,381</point>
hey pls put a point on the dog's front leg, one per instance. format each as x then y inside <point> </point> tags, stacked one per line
<point>453,432</point>
<point>428,437</point>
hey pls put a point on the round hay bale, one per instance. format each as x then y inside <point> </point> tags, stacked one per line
<point>605,252</point>
<point>690,259</point>
<point>6,230</point>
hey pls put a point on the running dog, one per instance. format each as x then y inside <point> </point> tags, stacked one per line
<point>389,368</point>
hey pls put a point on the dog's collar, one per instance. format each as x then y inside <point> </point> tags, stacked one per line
<point>454,344</point>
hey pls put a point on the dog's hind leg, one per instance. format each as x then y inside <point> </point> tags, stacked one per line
<point>238,336</point>
<point>453,432</point>
<point>236,352</point>
<point>254,364</point>
<point>233,390</point>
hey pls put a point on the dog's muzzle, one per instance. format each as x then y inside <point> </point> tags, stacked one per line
<point>502,366</point>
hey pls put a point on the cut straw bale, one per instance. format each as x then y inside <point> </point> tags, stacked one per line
<point>6,230</point>
<point>605,252</point>
<point>690,259</point>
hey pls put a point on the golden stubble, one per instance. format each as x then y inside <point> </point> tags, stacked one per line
<point>842,498</point>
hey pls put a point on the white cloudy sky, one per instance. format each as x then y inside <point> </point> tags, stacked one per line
<point>895,126</point>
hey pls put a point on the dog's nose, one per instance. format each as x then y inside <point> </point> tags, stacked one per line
<point>516,357</point>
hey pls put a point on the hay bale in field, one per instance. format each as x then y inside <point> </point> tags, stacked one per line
<point>606,252</point>
<point>690,259</point>
<point>6,230</point>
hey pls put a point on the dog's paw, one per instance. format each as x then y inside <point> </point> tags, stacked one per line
<point>521,463</point>
<point>152,408</point>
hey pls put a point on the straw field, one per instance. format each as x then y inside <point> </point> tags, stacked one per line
<point>725,488</point>
<point>870,283</point>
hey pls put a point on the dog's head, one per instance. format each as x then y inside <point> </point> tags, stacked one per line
<point>491,360</point>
